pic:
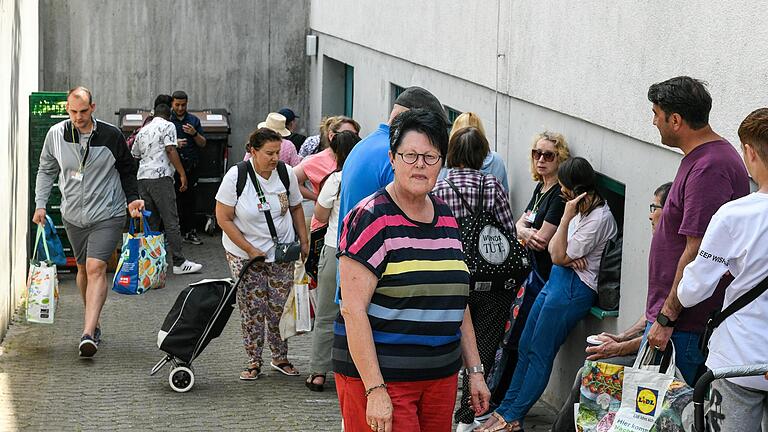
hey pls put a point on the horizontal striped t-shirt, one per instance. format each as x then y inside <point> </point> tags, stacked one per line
<point>418,305</point>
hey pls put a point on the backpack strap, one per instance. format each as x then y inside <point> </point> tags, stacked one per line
<point>242,176</point>
<point>481,198</point>
<point>463,201</point>
<point>282,171</point>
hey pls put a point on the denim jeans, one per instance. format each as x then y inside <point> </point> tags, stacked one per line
<point>688,356</point>
<point>563,302</point>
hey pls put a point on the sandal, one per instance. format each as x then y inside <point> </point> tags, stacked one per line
<point>310,382</point>
<point>251,373</point>
<point>497,423</point>
<point>283,368</point>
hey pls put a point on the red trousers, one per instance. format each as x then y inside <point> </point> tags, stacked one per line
<point>418,406</point>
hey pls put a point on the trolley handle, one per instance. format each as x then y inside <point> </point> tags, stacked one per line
<point>248,265</point>
<point>702,386</point>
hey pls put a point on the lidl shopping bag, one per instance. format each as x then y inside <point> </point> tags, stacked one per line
<point>600,396</point>
<point>644,391</point>
<point>42,284</point>
<point>142,263</point>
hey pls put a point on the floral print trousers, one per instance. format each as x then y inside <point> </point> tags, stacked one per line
<point>261,297</point>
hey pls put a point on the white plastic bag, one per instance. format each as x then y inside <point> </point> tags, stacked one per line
<point>296,318</point>
<point>42,285</point>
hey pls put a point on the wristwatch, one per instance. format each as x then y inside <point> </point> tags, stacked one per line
<point>664,320</point>
<point>475,369</point>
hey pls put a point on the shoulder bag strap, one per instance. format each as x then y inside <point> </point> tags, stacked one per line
<point>461,197</point>
<point>262,198</point>
<point>740,302</point>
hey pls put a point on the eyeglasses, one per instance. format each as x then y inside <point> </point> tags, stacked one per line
<point>654,207</point>
<point>411,158</point>
<point>538,154</point>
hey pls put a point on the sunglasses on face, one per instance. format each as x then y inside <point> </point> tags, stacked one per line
<point>538,154</point>
<point>654,207</point>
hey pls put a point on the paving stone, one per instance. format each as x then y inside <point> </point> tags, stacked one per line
<point>44,385</point>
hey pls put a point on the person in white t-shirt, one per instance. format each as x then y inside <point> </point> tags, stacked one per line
<point>155,147</point>
<point>576,249</point>
<point>736,242</point>
<point>326,309</point>
<point>265,287</point>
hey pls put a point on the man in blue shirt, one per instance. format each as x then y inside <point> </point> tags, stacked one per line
<point>190,139</point>
<point>367,168</point>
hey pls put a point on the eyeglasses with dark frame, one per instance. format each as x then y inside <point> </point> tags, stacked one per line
<point>537,154</point>
<point>654,207</point>
<point>411,158</point>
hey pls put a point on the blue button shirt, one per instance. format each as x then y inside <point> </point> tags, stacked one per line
<point>190,153</point>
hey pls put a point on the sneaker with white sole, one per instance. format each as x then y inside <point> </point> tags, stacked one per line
<point>187,267</point>
<point>88,346</point>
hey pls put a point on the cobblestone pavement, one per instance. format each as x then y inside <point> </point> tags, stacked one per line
<point>44,385</point>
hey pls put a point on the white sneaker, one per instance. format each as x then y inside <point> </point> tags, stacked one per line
<point>187,267</point>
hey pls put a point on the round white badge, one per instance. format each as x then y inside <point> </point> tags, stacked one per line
<point>493,246</point>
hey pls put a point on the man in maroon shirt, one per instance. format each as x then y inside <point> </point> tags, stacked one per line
<point>711,173</point>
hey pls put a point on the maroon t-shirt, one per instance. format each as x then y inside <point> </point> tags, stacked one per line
<point>708,177</point>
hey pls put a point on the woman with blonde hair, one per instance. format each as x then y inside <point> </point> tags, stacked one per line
<point>535,229</point>
<point>492,163</point>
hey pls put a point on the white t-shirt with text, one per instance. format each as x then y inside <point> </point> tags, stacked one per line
<point>736,241</point>
<point>587,237</point>
<point>250,220</point>
<point>329,198</point>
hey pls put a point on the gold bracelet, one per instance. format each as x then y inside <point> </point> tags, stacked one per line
<point>382,385</point>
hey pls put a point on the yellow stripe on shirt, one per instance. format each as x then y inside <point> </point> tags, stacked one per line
<point>421,266</point>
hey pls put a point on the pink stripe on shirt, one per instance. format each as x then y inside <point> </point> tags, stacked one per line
<point>395,243</point>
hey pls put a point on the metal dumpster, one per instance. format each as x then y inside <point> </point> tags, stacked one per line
<point>213,157</point>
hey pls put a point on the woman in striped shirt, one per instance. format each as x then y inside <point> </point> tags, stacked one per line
<point>404,328</point>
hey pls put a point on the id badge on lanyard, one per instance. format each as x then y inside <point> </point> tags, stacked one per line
<point>531,217</point>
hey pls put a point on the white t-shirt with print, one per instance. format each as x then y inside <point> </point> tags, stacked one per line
<point>736,241</point>
<point>149,146</point>
<point>329,198</point>
<point>250,220</point>
<point>587,237</point>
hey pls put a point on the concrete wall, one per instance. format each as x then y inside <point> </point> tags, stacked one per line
<point>246,56</point>
<point>18,78</point>
<point>582,69</point>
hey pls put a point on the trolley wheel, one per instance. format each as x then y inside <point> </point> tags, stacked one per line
<point>181,379</point>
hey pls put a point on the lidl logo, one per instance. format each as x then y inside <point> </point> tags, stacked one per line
<point>646,401</point>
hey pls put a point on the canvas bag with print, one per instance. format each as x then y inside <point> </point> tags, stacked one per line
<point>643,391</point>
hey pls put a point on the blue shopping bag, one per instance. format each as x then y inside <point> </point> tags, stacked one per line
<point>142,263</point>
<point>53,243</point>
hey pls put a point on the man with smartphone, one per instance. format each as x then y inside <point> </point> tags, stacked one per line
<point>190,140</point>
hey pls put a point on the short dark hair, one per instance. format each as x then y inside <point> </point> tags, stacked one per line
<point>162,99</point>
<point>342,144</point>
<point>663,192</point>
<point>467,148</point>
<point>419,120</point>
<point>754,131</point>
<point>163,111</point>
<point>261,136</point>
<point>683,95</point>
<point>179,94</point>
